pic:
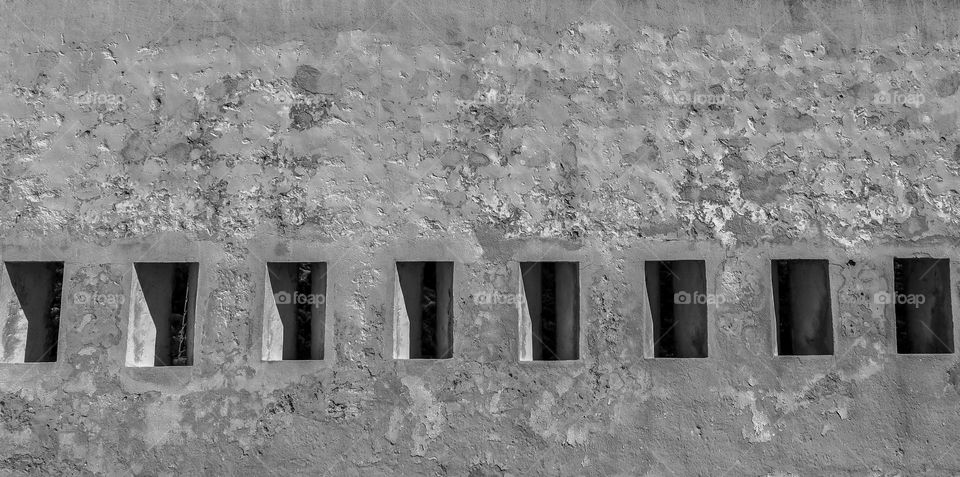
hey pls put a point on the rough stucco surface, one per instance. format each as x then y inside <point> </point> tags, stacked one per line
<point>483,134</point>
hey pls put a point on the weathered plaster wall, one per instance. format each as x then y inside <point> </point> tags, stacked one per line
<point>484,133</point>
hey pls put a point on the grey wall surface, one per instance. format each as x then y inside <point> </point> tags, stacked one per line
<point>485,133</point>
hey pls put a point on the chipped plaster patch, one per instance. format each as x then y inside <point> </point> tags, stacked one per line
<point>427,413</point>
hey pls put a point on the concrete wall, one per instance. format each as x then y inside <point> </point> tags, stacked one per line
<point>484,133</point>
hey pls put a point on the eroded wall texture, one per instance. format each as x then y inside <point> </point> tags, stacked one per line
<point>484,133</point>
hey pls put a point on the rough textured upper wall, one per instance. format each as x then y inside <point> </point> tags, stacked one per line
<point>597,127</point>
<point>485,132</point>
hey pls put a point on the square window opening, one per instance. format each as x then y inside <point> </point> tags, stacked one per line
<point>294,311</point>
<point>677,294</point>
<point>802,306</point>
<point>423,310</point>
<point>549,311</point>
<point>32,299</point>
<point>922,304</point>
<point>162,314</point>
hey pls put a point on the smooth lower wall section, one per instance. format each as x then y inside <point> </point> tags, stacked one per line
<point>360,408</point>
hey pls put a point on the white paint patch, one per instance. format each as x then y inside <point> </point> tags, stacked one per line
<point>396,421</point>
<point>577,436</point>
<point>761,426</point>
<point>427,410</point>
<point>541,419</point>
<point>761,431</point>
<point>161,422</point>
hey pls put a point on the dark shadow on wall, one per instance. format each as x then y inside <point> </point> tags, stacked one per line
<point>801,298</point>
<point>552,293</point>
<point>427,289</point>
<point>300,295</point>
<point>922,304</point>
<point>170,290</point>
<point>38,286</point>
<point>676,291</point>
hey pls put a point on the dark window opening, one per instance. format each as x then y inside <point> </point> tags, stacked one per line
<point>427,289</point>
<point>801,300</point>
<point>676,291</point>
<point>170,291</point>
<point>300,296</point>
<point>922,304</point>
<point>38,287</point>
<point>552,294</point>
